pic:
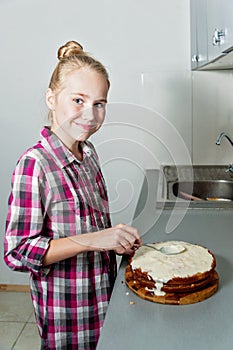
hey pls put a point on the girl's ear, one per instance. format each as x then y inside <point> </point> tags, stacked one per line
<point>50,99</point>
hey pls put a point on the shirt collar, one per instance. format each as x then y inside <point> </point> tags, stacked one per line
<point>62,154</point>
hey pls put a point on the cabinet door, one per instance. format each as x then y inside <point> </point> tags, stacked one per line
<point>198,18</point>
<point>220,27</point>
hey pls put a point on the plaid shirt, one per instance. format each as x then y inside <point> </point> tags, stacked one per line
<point>54,196</point>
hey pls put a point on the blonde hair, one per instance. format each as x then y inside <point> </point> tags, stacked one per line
<point>71,56</point>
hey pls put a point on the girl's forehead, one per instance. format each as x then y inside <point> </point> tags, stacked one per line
<point>85,80</point>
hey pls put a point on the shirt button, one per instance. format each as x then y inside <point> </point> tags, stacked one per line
<point>88,153</point>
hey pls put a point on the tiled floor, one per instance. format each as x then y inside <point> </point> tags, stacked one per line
<point>18,330</point>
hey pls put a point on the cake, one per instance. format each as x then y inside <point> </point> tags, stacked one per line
<point>182,278</point>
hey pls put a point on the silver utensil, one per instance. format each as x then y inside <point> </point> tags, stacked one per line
<point>171,249</point>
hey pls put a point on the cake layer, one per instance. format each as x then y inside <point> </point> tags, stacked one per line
<point>141,281</point>
<point>190,297</point>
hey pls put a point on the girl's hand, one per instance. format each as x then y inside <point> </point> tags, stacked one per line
<point>131,250</point>
<point>123,239</point>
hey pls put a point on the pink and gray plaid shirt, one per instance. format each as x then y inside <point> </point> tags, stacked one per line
<point>54,196</point>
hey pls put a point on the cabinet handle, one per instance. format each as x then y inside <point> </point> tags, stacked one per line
<point>198,58</point>
<point>195,58</point>
<point>218,37</point>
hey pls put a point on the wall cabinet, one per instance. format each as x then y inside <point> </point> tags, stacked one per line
<point>211,34</point>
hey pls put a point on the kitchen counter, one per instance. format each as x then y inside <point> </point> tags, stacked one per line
<point>134,323</point>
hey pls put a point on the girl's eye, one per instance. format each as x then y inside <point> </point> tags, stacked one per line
<point>79,101</point>
<point>99,105</point>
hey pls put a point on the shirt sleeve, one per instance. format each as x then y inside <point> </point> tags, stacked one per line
<point>25,242</point>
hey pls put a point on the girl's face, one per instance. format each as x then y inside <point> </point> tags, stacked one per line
<point>78,111</point>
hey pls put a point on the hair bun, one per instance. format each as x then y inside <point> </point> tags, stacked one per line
<point>71,48</point>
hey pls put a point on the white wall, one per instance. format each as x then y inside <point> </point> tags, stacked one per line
<point>144,45</point>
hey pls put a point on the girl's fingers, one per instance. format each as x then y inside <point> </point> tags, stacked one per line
<point>134,235</point>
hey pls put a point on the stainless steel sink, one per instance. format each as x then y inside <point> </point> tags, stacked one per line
<point>210,183</point>
<point>213,190</point>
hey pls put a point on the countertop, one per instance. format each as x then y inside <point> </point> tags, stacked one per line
<point>134,323</point>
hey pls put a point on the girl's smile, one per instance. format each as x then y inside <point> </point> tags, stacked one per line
<point>85,127</point>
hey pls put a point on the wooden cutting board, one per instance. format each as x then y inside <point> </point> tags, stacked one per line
<point>177,298</point>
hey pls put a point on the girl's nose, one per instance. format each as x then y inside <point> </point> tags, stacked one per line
<point>88,114</point>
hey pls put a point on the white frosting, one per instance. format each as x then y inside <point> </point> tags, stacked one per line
<point>162,268</point>
<point>157,290</point>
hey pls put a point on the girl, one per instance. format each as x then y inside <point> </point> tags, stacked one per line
<point>58,226</point>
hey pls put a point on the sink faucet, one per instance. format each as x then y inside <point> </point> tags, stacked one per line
<point>221,136</point>
<point>218,142</point>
